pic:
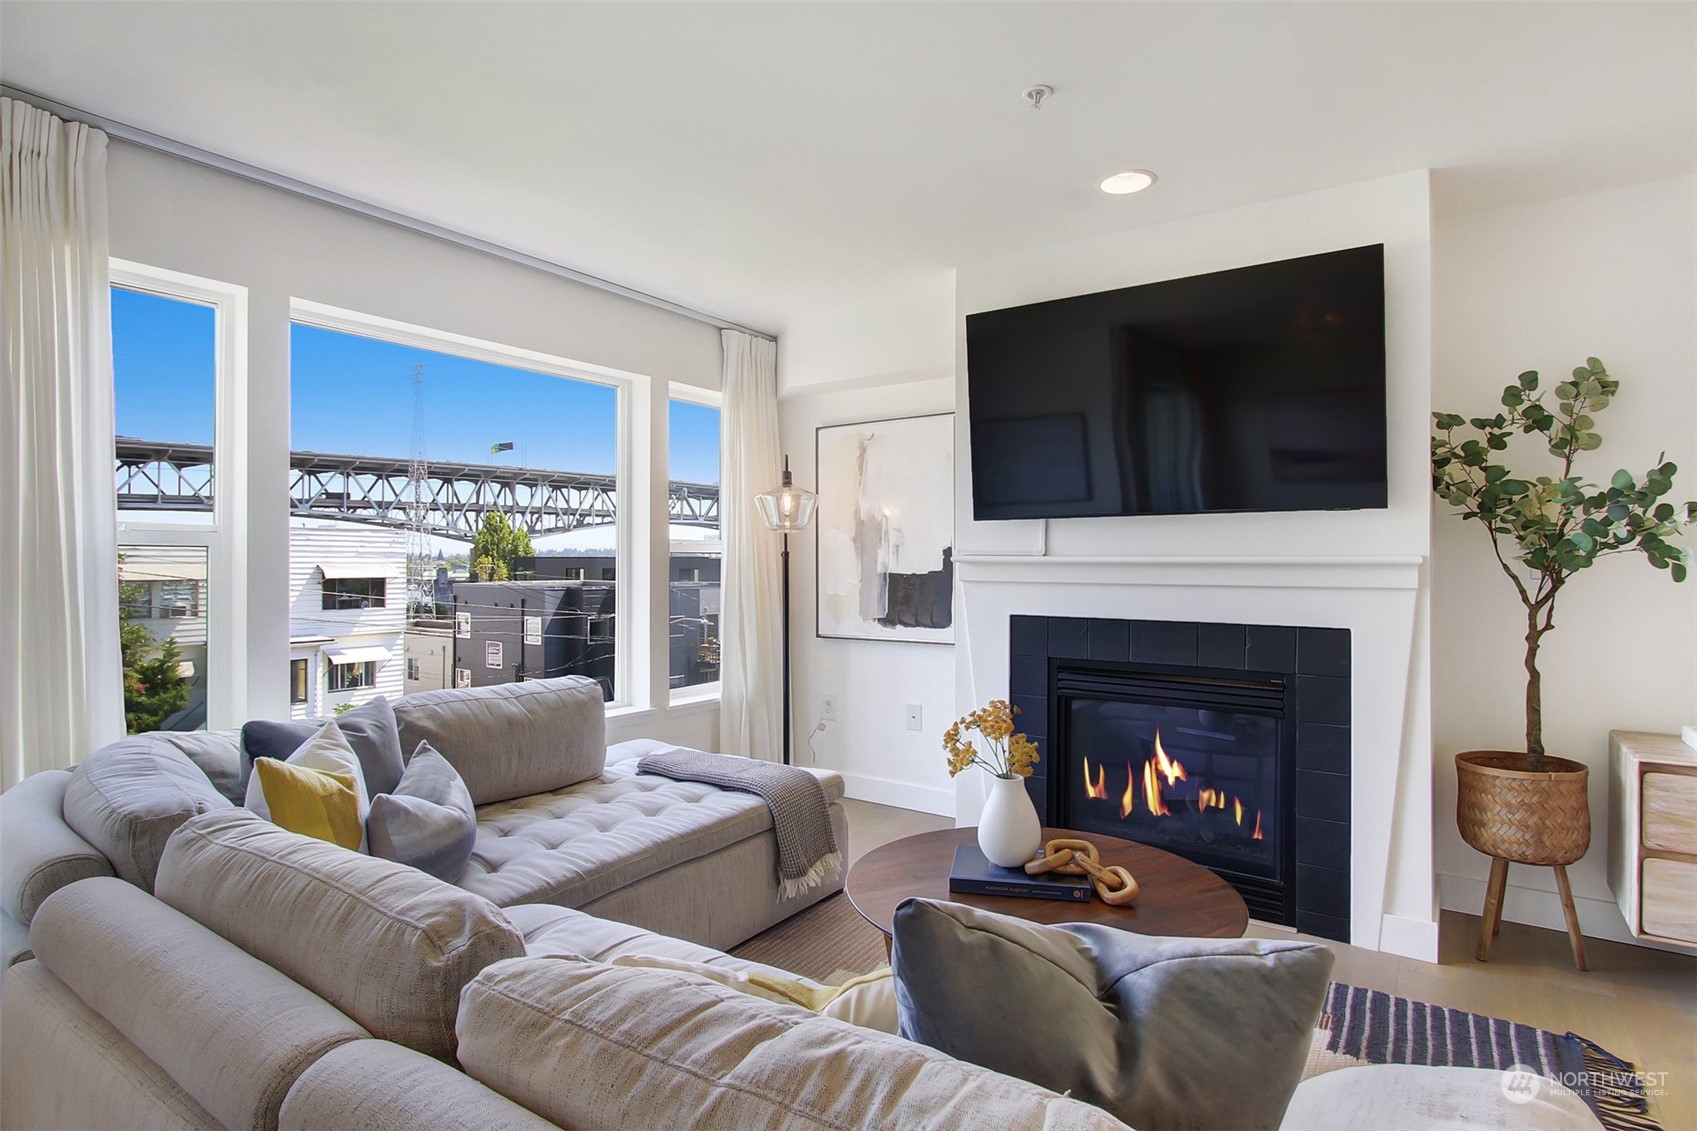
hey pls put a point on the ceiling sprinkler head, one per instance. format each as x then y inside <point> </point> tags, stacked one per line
<point>1036,94</point>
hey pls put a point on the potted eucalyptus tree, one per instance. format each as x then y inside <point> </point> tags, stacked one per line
<point>1529,806</point>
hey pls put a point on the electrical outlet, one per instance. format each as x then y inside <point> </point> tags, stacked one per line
<point>915,717</point>
<point>828,709</point>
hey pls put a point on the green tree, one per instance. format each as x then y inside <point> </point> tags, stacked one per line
<point>1545,529</point>
<point>496,549</point>
<point>154,690</point>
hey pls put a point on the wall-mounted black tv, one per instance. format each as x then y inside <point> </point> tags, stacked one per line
<point>1256,389</point>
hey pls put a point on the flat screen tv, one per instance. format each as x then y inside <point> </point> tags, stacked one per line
<point>1256,389</point>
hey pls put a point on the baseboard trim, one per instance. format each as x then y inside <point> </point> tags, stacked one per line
<point>1409,938</point>
<point>1598,918</point>
<point>901,794</point>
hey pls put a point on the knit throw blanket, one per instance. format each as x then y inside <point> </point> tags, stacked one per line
<point>801,817</point>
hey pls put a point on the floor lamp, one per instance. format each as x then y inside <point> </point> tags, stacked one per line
<point>786,510</point>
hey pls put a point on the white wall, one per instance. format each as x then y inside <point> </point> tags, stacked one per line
<point>1612,275</point>
<point>173,214</point>
<point>873,680</point>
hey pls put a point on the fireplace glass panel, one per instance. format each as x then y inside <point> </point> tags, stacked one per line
<point>1203,783</point>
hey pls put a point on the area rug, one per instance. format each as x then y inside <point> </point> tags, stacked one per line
<point>829,942</point>
<point>1361,1026</point>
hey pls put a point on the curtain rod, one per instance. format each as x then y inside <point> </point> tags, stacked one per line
<point>258,175</point>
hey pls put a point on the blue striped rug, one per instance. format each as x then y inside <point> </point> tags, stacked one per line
<point>1383,1029</point>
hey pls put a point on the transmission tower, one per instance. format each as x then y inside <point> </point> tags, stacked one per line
<point>421,582</point>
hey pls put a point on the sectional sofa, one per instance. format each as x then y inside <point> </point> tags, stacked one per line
<point>563,819</point>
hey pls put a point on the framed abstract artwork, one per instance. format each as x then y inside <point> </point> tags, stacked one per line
<point>886,529</point>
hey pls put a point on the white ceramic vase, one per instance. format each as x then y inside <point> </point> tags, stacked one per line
<point>1009,832</point>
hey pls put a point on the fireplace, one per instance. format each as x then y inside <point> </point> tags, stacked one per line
<point>1225,744</point>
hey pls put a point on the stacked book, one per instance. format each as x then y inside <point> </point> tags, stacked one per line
<point>972,874</point>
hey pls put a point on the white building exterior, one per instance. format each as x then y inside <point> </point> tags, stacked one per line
<point>347,615</point>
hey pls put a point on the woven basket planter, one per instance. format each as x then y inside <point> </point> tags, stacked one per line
<point>1510,813</point>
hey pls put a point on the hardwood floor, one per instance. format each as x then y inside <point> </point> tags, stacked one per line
<point>1640,1004</point>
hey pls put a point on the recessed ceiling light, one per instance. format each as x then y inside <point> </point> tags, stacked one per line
<point>1134,180</point>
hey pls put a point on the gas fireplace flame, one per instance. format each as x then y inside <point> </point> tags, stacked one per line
<point>1151,790</point>
<point>1170,769</point>
<point>1161,774</point>
<point>1099,788</point>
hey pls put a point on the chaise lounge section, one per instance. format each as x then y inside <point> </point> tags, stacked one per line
<point>562,819</point>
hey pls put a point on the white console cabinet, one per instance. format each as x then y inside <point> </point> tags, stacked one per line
<point>1653,834</point>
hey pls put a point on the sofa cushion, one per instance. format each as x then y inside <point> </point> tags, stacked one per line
<point>39,854</point>
<point>574,845</point>
<point>370,729</point>
<point>116,1084</point>
<point>1145,1027</point>
<point>231,1030</point>
<point>388,945</point>
<point>1418,1097</point>
<point>378,1086</point>
<point>868,1000</point>
<point>128,798</point>
<point>515,739</point>
<point>595,1047</point>
<point>218,753</point>
<point>549,930</point>
<point>428,821</point>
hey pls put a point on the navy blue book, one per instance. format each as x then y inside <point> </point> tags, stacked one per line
<point>972,874</point>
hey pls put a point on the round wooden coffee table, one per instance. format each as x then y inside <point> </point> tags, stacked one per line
<point>1177,898</point>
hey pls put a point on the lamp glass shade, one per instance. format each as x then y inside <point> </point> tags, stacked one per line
<point>788,508</point>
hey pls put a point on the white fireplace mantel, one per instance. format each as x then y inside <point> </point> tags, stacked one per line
<point>1380,600</point>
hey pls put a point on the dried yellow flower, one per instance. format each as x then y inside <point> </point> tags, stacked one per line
<point>1008,754</point>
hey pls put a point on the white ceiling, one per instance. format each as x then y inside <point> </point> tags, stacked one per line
<point>764,161</point>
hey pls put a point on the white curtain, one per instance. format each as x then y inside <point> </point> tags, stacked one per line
<point>751,702</point>
<point>61,682</point>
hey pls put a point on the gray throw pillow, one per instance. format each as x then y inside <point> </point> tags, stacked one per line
<point>1160,1032</point>
<point>428,821</point>
<point>370,729</point>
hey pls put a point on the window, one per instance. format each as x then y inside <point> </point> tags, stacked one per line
<point>609,573</point>
<point>441,456</point>
<point>415,671</point>
<point>178,599</point>
<point>297,681</point>
<point>353,677</point>
<point>162,637</point>
<point>355,592</point>
<point>179,475</point>
<point>696,549</point>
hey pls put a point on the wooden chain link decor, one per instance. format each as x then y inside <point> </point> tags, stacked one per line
<point>1068,857</point>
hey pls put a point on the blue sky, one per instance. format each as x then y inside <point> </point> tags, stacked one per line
<point>353,395</point>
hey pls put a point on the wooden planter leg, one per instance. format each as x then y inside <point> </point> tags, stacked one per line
<point>1573,935</point>
<point>1492,916</point>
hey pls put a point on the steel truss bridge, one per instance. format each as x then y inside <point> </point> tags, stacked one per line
<point>178,477</point>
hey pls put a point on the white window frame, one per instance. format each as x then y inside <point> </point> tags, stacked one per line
<point>225,538</point>
<point>633,659</point>
<point>707,398</point>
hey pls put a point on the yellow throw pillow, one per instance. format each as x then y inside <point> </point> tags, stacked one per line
<point>315,803</point>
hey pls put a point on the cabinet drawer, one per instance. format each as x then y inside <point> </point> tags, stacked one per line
<point>1669,896</point>
<point>1670,812</point>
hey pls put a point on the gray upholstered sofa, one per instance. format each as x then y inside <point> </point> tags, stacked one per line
<point>563,819</point>
<point>278,981</point>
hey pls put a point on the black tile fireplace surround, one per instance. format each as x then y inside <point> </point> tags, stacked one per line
<point>1305,676</point>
